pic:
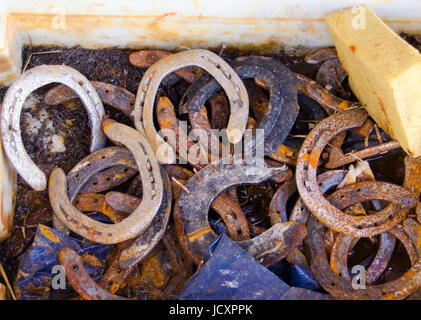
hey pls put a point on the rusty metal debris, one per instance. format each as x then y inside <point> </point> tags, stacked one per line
<point>282,108</point>
<point>117,97</point>
<point>192,225</point>
<point>340,288</point>
<point>159,220</point>
<point>217,67</point>
<point>80,279</point>
<point>306,176</point>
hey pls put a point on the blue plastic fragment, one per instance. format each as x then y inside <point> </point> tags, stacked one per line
<point>301,276</point>
<point>34,276</point>
<point>232,274</point>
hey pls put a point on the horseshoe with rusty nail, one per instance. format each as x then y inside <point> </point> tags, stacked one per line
<point>140,219</point>
<point>143,112</point>
<point>12,107</point>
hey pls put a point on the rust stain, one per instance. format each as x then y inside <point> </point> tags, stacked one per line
<point>48,234</point>
<point>198,233</point>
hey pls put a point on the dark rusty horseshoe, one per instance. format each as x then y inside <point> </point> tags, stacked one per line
<point>341,248</point>
<point>117,97</point>
<point>219,111</point>
<point>191,211</point>
<point>108,179</point>
<point>80,279</point>
<point>277,207</point>
<point>229,210</point>
<point>339,288</point>
<point>306,177</point>
<point>91,165</point>
<point>283,104</point>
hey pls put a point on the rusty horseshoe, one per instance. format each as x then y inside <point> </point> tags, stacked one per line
<point>237,94</point>
<point>140,219</point>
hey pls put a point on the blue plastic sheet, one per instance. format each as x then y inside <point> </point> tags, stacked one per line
<point>232,274</point>
<point>34,277</point>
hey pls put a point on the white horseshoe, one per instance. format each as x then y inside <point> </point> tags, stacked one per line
<point>13,102</point>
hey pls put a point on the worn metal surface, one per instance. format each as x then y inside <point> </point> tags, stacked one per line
<point>191,211</point>
<point>220,111</point>
<point>341,249</point>
<point>182,269</point>
<point>13,104</point>
<point>86,170</point>
<point>277,207</point>
<point>234,88</point>
<point>115,96</point>
<point>338,159</point>
<point>146,58</point>
<point>339,288</point>
<point>283,105</point>
<point>320,55</point>
<point>140,219</point>
<point>148,239</point>
<point>167,120</point>
<point>335,219</point>
<point>80,279</point>
<point>108,178</point>
<point>331,75</point>
<point>329,102</point>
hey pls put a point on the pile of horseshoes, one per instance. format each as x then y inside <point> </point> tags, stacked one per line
<point>318,232</point>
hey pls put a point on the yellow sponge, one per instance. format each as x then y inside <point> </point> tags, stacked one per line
<point>384,73</point>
